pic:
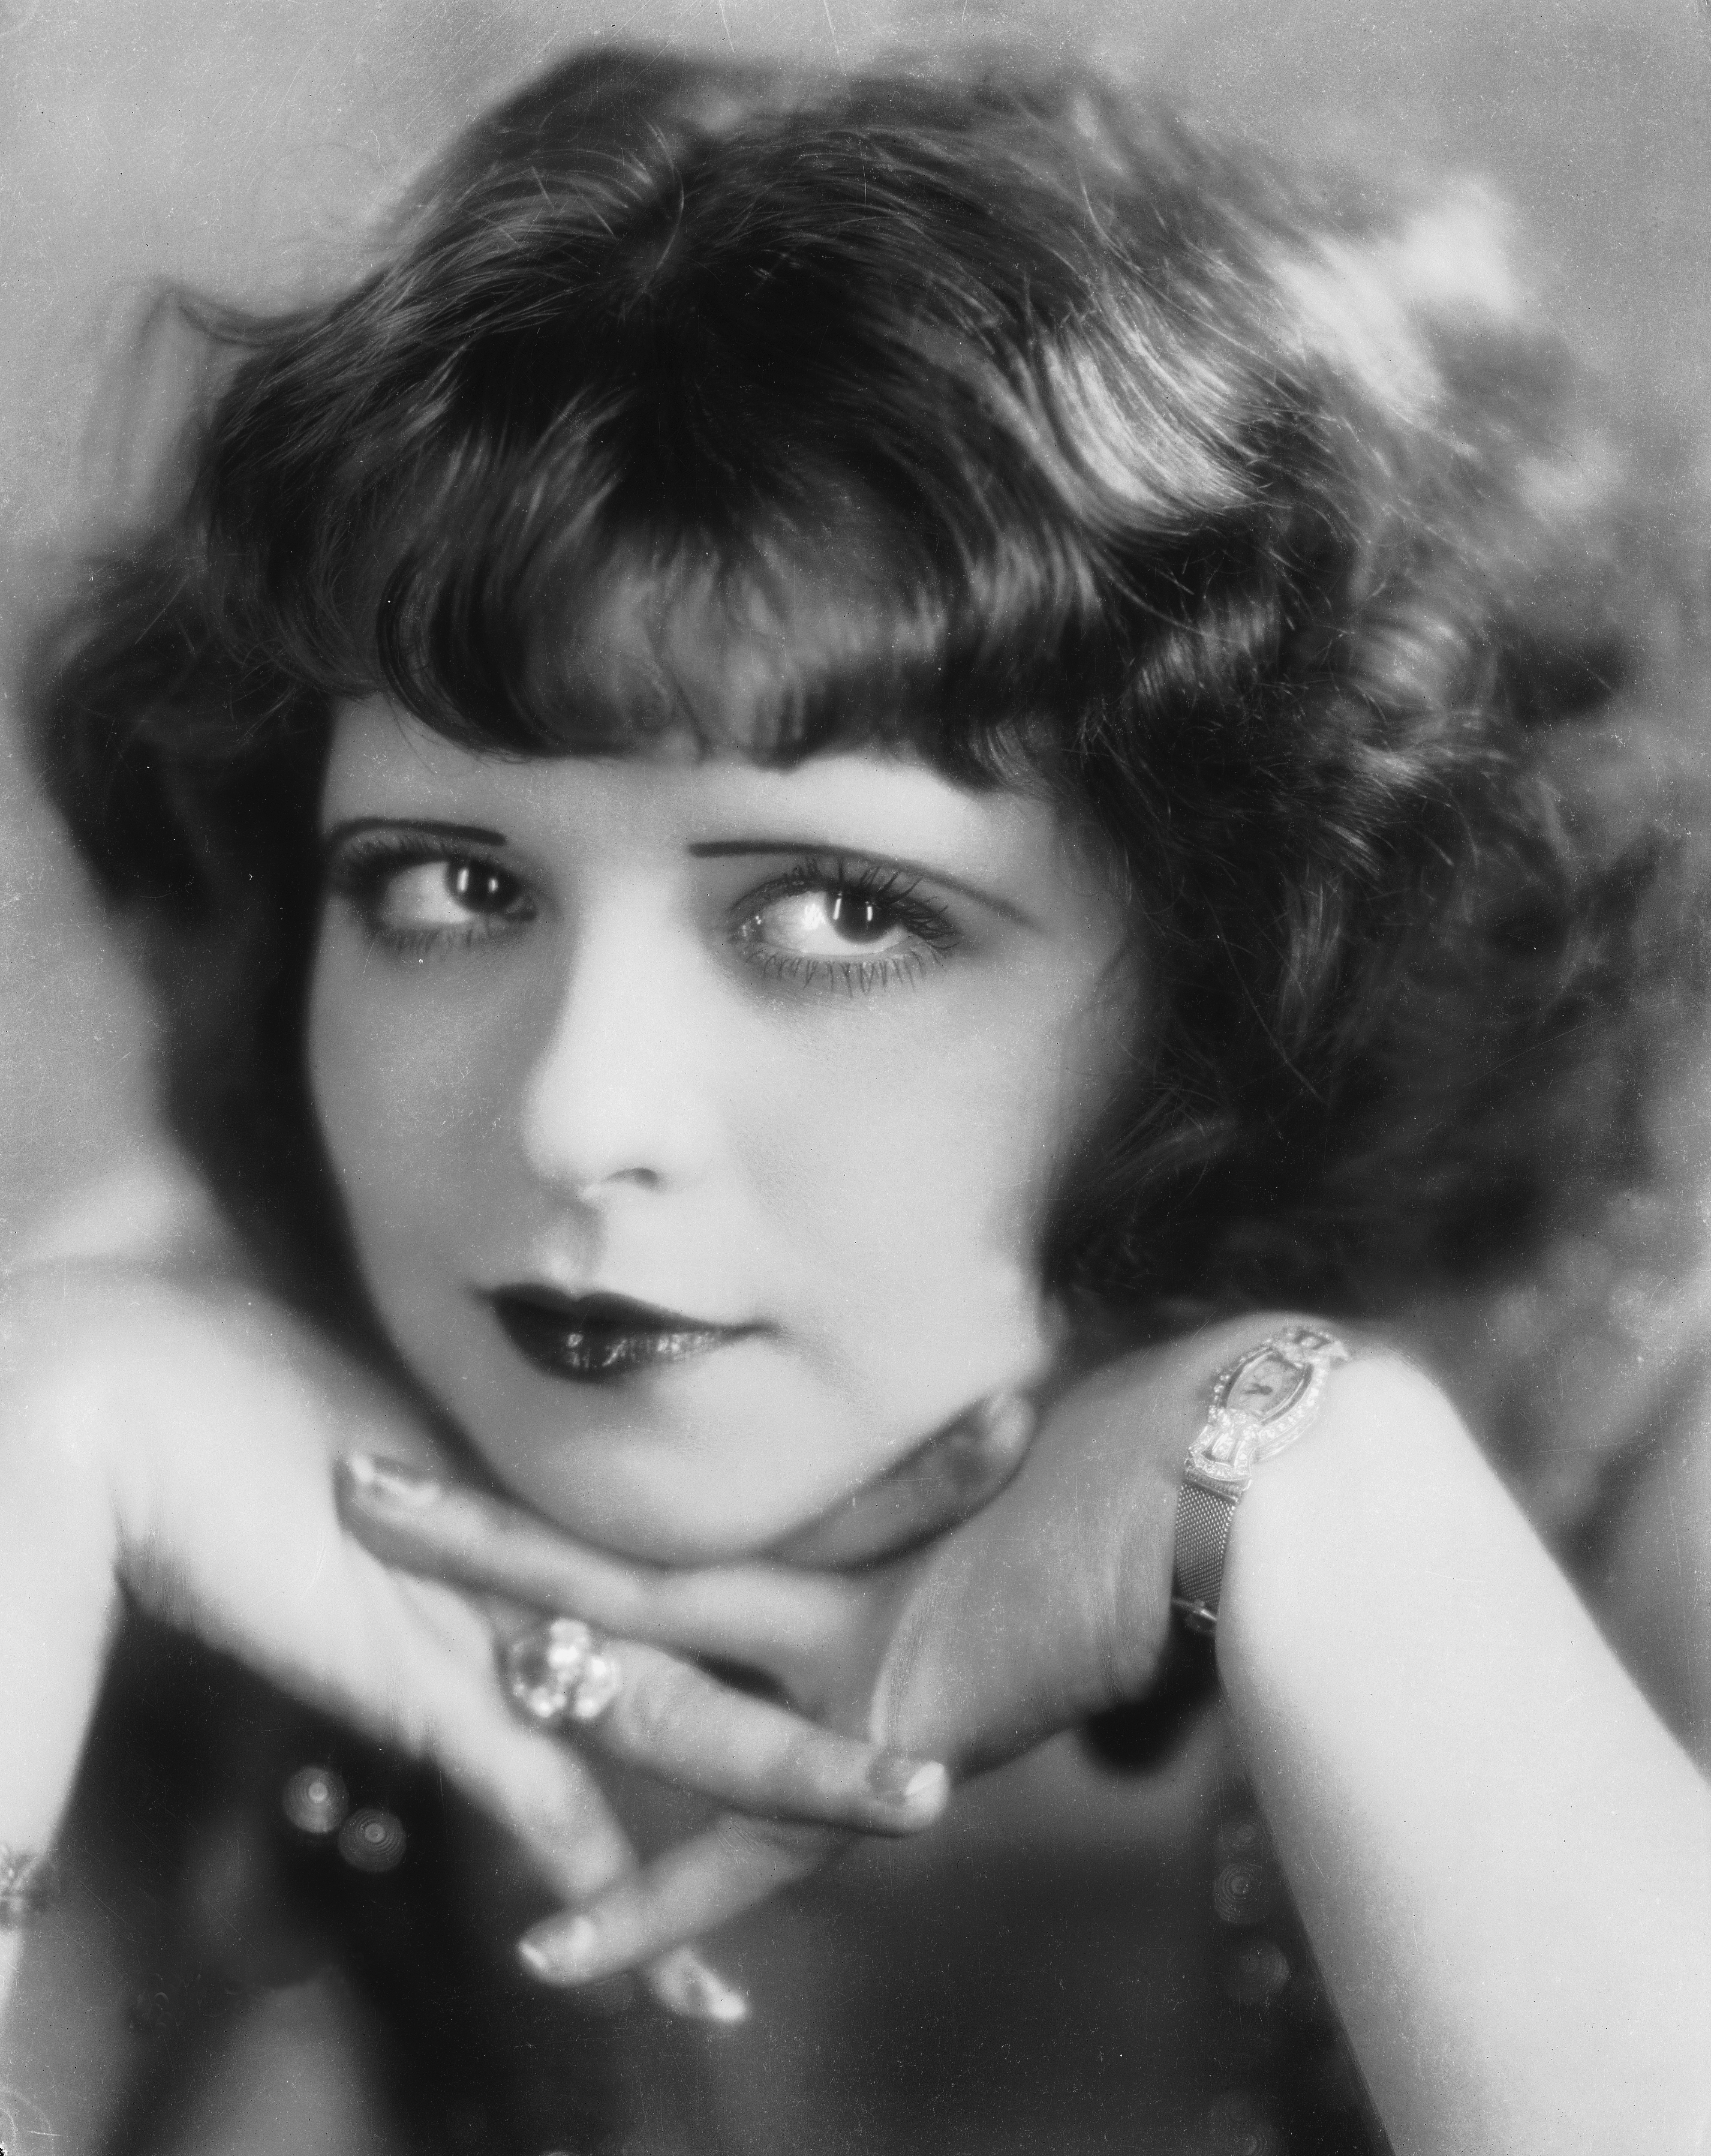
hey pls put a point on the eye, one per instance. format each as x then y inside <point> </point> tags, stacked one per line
<point>829,924</point>
<point>446,895</point>
<point>414,897</point>
<point>843,925</point>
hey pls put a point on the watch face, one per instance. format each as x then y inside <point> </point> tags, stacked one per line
<point>1267,1384</point>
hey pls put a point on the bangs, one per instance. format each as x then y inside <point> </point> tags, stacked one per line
<point>686,441</point>
<point>590,626</point>
<point>680,557</point>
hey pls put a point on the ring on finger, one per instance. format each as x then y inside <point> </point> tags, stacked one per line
<point>559,1673</point>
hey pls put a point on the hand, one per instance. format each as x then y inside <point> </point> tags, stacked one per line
<point>178,1437</point>
<point>1047,1604</point>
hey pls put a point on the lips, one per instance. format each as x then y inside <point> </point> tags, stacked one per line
<point>599,1339</point>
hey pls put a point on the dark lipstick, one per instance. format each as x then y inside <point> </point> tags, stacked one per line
<point>600,1339</point>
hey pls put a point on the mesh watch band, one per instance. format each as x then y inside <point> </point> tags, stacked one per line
<point>1260,1403</point>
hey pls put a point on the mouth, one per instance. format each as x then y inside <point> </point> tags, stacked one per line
<point>600,1339</point>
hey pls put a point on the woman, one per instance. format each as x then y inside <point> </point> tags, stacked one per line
<point>959,751</point>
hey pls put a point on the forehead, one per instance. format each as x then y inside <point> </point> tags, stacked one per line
<point>677,798</point>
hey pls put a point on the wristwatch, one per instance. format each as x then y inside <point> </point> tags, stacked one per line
<point>1260,1403</point>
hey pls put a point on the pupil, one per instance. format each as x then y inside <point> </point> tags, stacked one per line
<point>475,886</point>
<point>857,918</point>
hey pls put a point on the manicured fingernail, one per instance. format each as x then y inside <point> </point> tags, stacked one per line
<point>391,1482</point>
<point>991,1435</point>
<point>919,1787</point>
<point>560,1953</point>
<point>1007,1421</point>
<point>690,1986</point>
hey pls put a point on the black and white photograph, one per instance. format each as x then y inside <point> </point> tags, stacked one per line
<point>855,1061</point>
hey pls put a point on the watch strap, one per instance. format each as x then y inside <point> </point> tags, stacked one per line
<point>1203,1518</point>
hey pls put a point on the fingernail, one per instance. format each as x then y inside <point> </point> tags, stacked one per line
<point>993,1433</point>
<point>688,1985</point>
<point>391,1482</point>
<point>1008,1420</point>
<point>560,1954</point>
<point>919,1787</point>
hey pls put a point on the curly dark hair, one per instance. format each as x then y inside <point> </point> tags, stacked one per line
<point>1004,418</point>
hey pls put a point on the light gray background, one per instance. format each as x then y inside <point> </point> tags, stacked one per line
<point>238,144</point>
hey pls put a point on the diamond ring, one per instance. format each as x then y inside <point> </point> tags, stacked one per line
<point>559,1673</point>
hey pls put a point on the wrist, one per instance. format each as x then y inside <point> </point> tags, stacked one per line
<point>1259,1403</point>
<point>1374,1487</point>
<point>61,1604</point>
<point>1170,1394</point>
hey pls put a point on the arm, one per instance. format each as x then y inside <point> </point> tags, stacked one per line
<point>61,1561</point>
<point>57,1612</point>
<point>1502,1857</point>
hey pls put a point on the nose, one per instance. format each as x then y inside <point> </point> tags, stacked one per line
<point>617,1094</point>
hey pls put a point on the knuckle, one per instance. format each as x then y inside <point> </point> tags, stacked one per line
<point>815,1764</point>
<point>507,1537</point>
<point>649,1713</point>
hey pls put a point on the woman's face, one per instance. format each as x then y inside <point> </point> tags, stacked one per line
<point>697,1123</point>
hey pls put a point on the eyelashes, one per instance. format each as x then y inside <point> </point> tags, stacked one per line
<point>890,928</point>
<point>416,895</point>
<point>827,922</point>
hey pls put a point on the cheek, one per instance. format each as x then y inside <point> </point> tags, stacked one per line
<point>943,1147</point>
<point>400,1102</point>
<point>912,1170</point>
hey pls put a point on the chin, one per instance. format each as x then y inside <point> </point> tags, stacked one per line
<point>667,1520</point>
<point>685,1481</point>
<point>721,1457</point>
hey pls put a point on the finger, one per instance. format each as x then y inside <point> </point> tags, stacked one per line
<point>764,1616</point>
<point>542,1792</point>
<point>686,1984</point>
<point>701,1883</point>
<point>676,1723</point>
<point>951,1475</point>
<point>548,1800</point>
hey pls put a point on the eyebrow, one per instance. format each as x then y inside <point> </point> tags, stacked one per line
<point>740,848</point>
<point>474,834</point>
